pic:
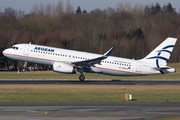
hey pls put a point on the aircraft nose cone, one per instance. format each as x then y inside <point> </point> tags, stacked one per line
<point>4,52</point>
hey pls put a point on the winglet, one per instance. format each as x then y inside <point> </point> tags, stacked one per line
<point>109,52</point>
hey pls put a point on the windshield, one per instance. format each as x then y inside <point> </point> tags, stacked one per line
<point>13,47</point>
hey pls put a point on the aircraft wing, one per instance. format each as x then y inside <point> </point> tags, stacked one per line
<point>90,62</point>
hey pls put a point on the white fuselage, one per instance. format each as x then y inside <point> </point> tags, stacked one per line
<point>49,55</point>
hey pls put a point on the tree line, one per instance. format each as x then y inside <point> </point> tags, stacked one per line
<point>134,31</point>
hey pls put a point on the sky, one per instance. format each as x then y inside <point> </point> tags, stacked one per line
<point>88,5</point>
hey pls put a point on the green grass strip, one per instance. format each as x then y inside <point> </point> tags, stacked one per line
<point>88,93</point>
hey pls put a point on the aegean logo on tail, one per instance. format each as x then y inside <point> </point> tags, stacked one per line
<point>160,57</point>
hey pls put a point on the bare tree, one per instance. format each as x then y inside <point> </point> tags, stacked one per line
<point>69,7</point>
<point>42,9</point>
<point>35,9</point>
<point>48,9</point>
<point>59,9</point>
<point>110,11</point>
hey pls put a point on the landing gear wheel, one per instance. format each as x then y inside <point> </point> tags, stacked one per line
<point>81,77</point>
<point>25,63</point>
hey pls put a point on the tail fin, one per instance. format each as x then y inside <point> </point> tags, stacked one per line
<point>160,55</point>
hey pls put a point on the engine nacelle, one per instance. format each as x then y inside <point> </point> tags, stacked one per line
<point>64,68</point>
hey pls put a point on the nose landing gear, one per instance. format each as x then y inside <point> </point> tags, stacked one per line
<point>25,63</point>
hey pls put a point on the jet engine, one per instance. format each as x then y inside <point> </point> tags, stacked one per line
<point>64,68</point>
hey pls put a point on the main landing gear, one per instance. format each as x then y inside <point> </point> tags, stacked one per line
<point>81,77</point>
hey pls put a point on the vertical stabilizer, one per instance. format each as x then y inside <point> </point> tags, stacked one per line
<point>161,54</point>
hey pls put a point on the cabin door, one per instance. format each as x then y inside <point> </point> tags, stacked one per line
<point>139,67</point>
<point>26,49</point>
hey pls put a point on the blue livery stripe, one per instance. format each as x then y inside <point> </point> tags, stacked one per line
<point>165,51</point>
<point>168,46</point>
<point>159,57</point>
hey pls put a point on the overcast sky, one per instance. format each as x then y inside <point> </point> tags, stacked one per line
<point>26,5</point>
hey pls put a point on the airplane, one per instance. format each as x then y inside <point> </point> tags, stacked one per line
<point>71,61</point>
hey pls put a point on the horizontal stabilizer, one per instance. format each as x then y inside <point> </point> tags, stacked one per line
<point>165,69</point>
<point>162,68</point>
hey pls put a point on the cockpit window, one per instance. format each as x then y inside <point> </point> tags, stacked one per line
<point>13,47</point>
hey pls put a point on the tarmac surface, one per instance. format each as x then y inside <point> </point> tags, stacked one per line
<point>116,82</point>
<point>89,111</point>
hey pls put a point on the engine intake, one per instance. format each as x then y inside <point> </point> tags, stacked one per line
<point>64,68</point>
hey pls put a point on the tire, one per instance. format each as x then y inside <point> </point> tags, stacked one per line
<point>81,77</point>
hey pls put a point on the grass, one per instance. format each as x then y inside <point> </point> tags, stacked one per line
<point>53,75</point>
<point>88,93</point>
